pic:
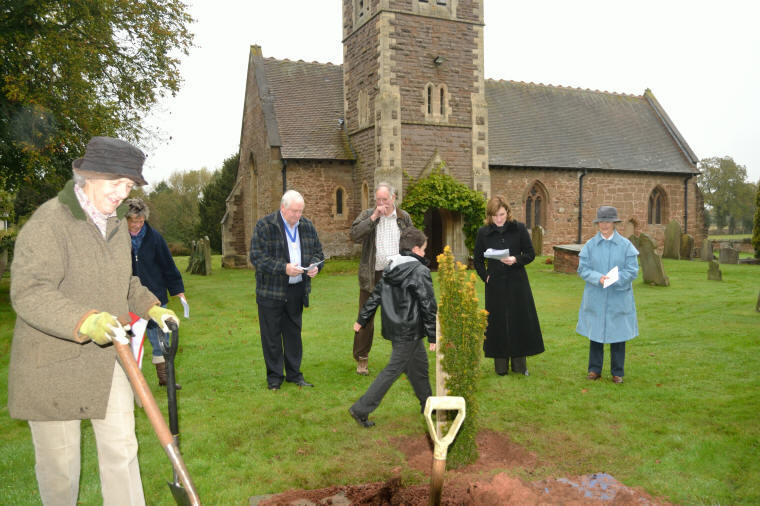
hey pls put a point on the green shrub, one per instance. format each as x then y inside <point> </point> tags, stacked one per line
<point>442,191</point>
<point>462,327</point>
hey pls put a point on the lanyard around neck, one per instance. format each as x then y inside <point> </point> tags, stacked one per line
<point>295,233</point>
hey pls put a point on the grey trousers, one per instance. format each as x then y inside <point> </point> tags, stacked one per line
<point>407,357</point>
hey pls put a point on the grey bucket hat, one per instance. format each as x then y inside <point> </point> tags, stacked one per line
<point>109,158</point>
<point>607,213</point>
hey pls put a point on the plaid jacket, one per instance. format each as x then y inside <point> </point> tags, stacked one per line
<point>269,255</point>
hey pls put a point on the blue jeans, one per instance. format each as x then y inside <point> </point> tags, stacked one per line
<point>152,332</point>
<point>617,358</point>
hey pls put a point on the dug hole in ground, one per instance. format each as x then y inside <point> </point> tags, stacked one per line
<point>486,482</point>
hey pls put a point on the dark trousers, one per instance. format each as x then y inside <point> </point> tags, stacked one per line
<point>519,365</point>
<point>596,358</point>
<point>363,338</point>
<point>407,357</point>
<point>280,327</point>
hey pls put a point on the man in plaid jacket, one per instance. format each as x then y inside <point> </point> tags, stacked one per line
<point>284,249</point>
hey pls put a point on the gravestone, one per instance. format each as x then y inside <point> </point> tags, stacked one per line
<point>728,256</point>
<point>757,306</point>
<point>687,246</point>
<point>672,247</point>
<point>706,253</point>
<point>200,257</point>
<point>713,271</point>
<point>537,236</point>
<point>652,271</point>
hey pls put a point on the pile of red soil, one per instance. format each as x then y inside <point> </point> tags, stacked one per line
<point>474,484</point>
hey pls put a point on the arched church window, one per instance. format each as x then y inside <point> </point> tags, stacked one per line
<point>339,201</point>
<point>429,99</point>
<point>535,207</point>
<point>656,209</point>
<point>443,101</point>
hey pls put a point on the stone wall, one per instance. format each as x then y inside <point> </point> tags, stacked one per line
<point>317,182</point>
<point>629,192</point>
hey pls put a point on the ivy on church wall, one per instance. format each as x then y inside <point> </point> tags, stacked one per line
<point>439,190</point>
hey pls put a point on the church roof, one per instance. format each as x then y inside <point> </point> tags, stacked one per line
<point>535,125</point>
<point>308,102</point>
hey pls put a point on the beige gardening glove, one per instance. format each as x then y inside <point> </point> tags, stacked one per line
<point>160,314</point>
<point>102,328</point>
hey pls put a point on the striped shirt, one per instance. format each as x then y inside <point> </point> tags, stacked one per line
<point>386,240</point>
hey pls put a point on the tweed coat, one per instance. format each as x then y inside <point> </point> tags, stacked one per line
<point>608,315</point>
<point>513,328</point>
<point>64,270</point>
<point>269,255</point>
<point>363,230</point>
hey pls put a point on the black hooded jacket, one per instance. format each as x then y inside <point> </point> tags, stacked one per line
<point>406,294</point>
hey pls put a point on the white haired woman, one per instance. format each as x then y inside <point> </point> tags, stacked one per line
<point>152,262</point>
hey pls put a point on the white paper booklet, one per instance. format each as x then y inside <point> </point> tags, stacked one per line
<point>310,267</point>
<point>612,276</point>
<point>185,306</point>
<point>497,254</point>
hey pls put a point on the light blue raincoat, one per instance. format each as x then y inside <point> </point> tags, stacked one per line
<point>608,315</point>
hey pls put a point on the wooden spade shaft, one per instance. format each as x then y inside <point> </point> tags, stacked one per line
<point>156,418</point>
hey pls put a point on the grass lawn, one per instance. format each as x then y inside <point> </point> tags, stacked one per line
<point>683,426</point>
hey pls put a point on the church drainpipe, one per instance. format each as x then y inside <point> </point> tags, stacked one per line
<point>580,206</point>
<point>686,204</point>
<point>284,176</point>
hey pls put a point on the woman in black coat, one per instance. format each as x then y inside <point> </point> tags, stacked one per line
<point>513,330</point>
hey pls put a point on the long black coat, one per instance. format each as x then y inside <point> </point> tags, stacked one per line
<point>513,328</point>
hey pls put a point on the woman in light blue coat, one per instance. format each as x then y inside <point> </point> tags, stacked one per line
<point>608,314</point>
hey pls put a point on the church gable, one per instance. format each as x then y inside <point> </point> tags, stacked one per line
<point>534,125</point>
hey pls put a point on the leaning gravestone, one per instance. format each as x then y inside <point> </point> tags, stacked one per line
<point>200,257</point>
<point>728,256</point>
<point>757,306</point>
<point>713,271</point>
<point>537,236</point>
<point>706,253</point>
<point>652,271</point>
<point>687,246</point>
<point>672,241</point>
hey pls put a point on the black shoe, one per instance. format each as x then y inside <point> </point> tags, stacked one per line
<point>361,420</point>
<point>303,383</point>
<point>273,387</point>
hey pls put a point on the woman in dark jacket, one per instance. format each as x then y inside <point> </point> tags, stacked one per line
<point>152,262</point>
<point>513,330</point>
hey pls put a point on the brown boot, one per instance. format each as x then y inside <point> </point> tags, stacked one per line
<point>162,376</point>
<point>161,373</point>
<point>362,366</point>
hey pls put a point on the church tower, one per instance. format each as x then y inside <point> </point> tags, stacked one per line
<point>414,97</point>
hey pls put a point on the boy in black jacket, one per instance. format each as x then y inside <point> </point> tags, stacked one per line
<point>409,308</point>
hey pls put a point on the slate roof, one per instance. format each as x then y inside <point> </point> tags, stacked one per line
<point>535,125</point>
<point>308,102</point>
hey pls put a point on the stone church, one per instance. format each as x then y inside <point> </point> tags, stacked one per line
<point>411,97</point>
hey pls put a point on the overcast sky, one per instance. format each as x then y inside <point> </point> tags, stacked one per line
<point>700,58</point>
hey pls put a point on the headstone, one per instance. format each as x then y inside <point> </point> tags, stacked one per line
<point>687,246</point>
<point>672,241</point>
<point>728,256</point>
<point>706,253</point>
<point>757,306</point>
<point>713,271</point>
<point>200,257</point>
<point>634,240</point>
<point>537,236</point>
<point>652,271</point>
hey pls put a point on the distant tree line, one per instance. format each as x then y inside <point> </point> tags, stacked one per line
<point>729,197</point>
<point>190,205</point>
